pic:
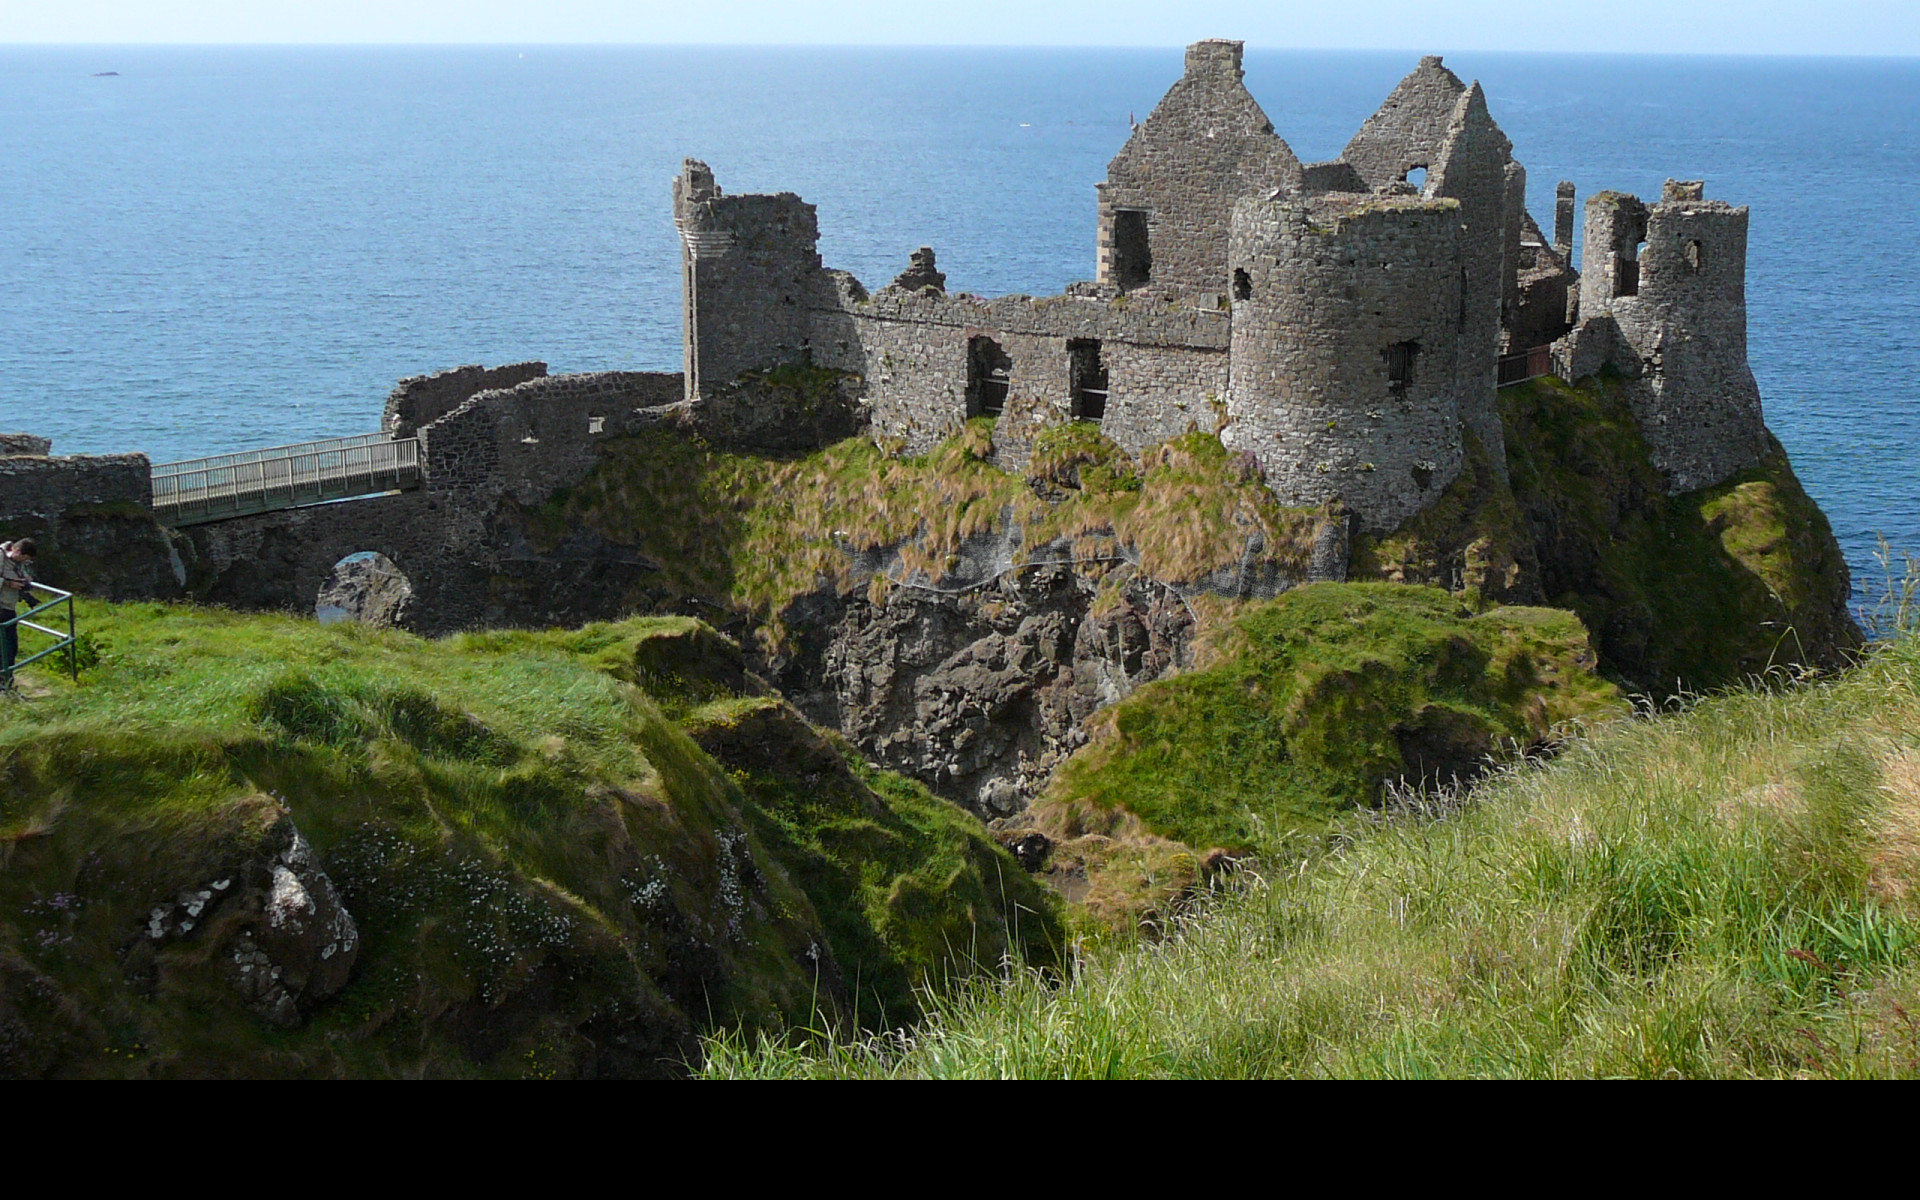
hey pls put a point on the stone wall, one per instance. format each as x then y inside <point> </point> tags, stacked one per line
<point>423,399</point>
<point>1409,129</point>
<point>24,443</point>
<point>36,485</point>
<point>91,517</point>
<point>518,440</point>
<point>1164,356</point>
<point>461,538</point>
<point>1205,145</point>
<point>1610,251</point>
<point>1339,287</point>
<point>1473,167</point>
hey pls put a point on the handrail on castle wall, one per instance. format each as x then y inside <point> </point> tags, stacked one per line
<point>247,456</point>
<point>68,641</point>
<point>1530,364</point>
<point>257,481</point>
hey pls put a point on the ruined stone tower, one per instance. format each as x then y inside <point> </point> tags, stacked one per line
<point>1346,373</point>
<point>748,264</point>
<point>1663,300</point>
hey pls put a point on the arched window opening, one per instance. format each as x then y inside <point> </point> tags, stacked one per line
<point>989,373</point>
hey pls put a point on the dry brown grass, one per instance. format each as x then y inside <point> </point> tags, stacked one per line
<point>1893,861</point>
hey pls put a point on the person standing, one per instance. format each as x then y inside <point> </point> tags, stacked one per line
<point>16,576</point>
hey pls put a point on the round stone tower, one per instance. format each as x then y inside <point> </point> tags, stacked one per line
<point>1347,314</point>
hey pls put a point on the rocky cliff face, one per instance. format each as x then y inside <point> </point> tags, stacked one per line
<point>981,693</point>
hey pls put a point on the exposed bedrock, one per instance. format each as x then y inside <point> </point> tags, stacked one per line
<point>981,694</point>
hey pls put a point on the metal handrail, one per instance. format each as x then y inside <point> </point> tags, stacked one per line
<point>285,477</point>
<point>247,456</point>
<point>68,641</point>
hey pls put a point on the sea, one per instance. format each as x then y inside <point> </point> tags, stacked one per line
<point>213,249</point>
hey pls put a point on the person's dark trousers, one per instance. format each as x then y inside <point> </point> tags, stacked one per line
<point>9,647</point>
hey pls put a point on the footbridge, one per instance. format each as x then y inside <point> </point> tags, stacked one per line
<point>197,490</point>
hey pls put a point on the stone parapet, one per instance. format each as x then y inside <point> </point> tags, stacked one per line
<point>423,399</point>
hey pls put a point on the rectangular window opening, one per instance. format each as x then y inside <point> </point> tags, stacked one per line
<point>1626,276</point>
<point>1400,358</point>
<point>1087,380</point>
<point>1132,252</point>
<point>989,372</point>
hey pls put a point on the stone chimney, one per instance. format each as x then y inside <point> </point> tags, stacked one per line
<point>1216,56</point>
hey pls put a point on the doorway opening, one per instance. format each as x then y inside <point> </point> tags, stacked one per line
<point>989,373</point>
<point>1087,380</point>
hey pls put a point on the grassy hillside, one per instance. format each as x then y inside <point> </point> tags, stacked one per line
<point>1731,890</point>
<point>1696,591</point>
<point>547,873</point>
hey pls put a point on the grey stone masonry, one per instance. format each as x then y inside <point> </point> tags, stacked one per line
<point>1408,131</point>
<point>1205,145</point>
<point>1346,347</point>
<point>423,399</point>
<point>1563,196</point>
<point>1663,300</point>
<point>1164,357</point>
<point>1474,166</point>
<point>527,439</point>
<point>41,486</point>
<point>24,443</point>
<point>748,265</point>
<point>920,273</point>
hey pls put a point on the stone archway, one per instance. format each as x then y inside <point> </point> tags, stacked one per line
<point>365,587</point>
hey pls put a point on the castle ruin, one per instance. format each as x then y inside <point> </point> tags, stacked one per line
<point>1343,326</point>
<point>1345,323</point>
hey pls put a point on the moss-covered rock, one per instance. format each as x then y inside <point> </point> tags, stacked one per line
<point>1318,699</point>
<point>911,891</point>
<point>1693,591</point>
<point>1473,541</point>
<point>1697,590</point>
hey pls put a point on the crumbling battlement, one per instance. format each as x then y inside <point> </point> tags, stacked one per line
<point>748,268</point>
<point>1663,300</point>
<point>423,399</point>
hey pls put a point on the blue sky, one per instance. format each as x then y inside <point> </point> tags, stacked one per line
<point>1870,27</point>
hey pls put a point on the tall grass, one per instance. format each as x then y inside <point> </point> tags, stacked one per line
<point>1724,891</point>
